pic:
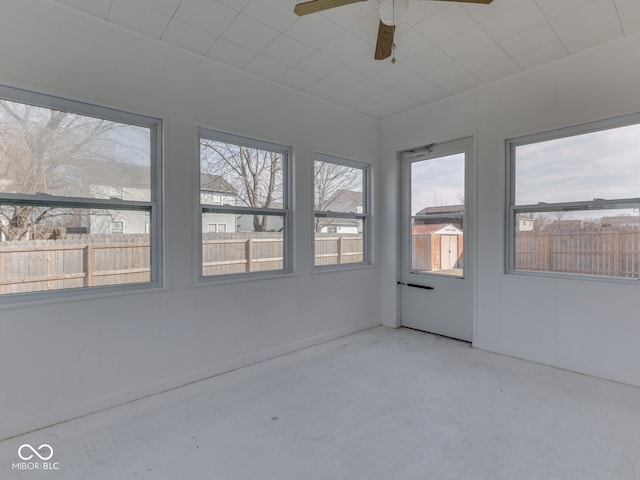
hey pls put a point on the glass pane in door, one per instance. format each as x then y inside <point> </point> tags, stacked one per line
<point>437,215</point>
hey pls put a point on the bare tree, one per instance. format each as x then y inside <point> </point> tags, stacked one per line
<point>255,175</point>
<point>332,185</point>
<point>45,151</point>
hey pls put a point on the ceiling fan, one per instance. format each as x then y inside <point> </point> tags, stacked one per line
<point>391,12</point>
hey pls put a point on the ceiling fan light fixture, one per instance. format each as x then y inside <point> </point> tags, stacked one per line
<point>392,12</point>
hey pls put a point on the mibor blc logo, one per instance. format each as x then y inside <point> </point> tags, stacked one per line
<point>35,458</point>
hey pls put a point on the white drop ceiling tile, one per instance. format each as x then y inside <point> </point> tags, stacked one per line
<point>297,79</point>
<point>446,74</point>
<point>466,43</point>
<point>345,47</point>
<point>348,15</point>
<point>553,8</point>
<point>392,98</point>
<point>428,93</point>
<point>462,84</point>
<point>418,11</point>
<point>445,24</point>
<point>514,20</point>
<point>287,50</point>
<point>345,77</point>
<point>410,43</point>
<point>367,28</point>
<point>529,39</point>
<point>319,64</point>
<point>592,24</point>
<point>631,22</point>
<point>584,40</point>
<point>481,12</point>
<point>366,64</point>
<point>414,85</point>
<point>237,5</point>
<point>346,99</point>
<point>139,18</point>
<point>498,71</point>
<point>231,53</point>
<point>187,36</point>
<point>99,8</point>
<point>266,67</point>
<point>323,89</point>
<point>428,61</point>
<point>250,33</point>
<point>487,57</point>
<point>264,12</point>
<point>395,74</point>
<point>371,108</point>
<point>627,6</point>
<point>542,55</point>
<point>369,87</point>
<point>168,7</point>
<point>207,15</point>
<point>315,31</point>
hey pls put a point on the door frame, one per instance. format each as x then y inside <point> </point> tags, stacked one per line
<point>468,145</point>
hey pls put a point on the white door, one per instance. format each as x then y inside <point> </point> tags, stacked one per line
<point>436,287</point>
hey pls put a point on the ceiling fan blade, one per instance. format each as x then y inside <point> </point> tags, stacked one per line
<point>384,44</point>
<point>318,5</point>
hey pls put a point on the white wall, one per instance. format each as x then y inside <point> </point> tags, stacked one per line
<point>63,359</point>
<point>587,326</point>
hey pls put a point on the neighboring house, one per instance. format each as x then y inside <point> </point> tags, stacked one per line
<point>244,223</point>
<point>342,201</point>
<point>525,223</point>
<point>215,190</point>
<point>131,183</point>
<point>441,212</point>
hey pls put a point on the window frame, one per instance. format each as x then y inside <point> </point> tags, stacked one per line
<point>512,209</point>
<point>153,206</point>
<point>364,215</point>
<point>285,211</point>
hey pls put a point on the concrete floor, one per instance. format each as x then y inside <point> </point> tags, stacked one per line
<point>378,405</point>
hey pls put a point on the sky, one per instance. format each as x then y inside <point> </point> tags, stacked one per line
<point>437,181</point>
<point>603,164</point>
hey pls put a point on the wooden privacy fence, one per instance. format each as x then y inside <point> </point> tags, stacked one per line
<point>28,266</point>
<point>239,252</point>
<point>86,261</point>
<point>614,253</point>
<point>335,250</point>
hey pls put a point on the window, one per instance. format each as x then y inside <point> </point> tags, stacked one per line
<point>437,203</point>
<point>71,177</point>
<point>341,220</point>
<point>574,200</point>
<point>244,204</point>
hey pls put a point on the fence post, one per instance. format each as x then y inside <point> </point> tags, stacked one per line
<point>88,260</point>
<point>249,255</point>
<point>340,251</point>
<point>617,253</point>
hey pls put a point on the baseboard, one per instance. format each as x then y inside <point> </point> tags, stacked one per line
<point>77,410</point>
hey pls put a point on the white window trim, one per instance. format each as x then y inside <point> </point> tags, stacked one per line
<point>363,215</point>
<point>511,209</point>
<point>153,207</point>
<point>284,212</point>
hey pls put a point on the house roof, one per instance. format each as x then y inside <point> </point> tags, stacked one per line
<point>215,183</point>
<point>435,228</point>
<point>442,209</point>
<point>344,200</point>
